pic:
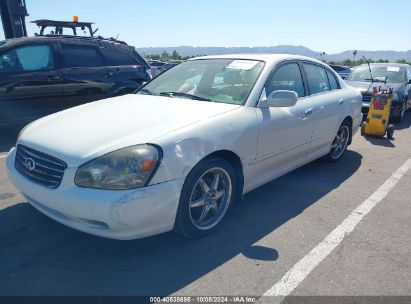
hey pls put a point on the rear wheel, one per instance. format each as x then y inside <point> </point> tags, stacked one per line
<point>390,131</point>
<point>400,116</point>
<point>363,128</point>
<point>207,194</point>
<point>340,143</point>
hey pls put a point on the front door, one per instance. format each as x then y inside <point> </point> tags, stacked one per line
<point>284,132</point>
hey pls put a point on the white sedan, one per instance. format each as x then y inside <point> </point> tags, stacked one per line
<point>184,149</point>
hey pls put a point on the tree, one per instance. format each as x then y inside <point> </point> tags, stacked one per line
<point>401,61</point>
<point>175,55</point>
<point>165,56</point>
<point>347,62</point>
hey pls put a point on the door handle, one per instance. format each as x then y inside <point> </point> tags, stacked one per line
<point>341,101</point>
<point>308,112</point>
<point>109,74</point>
<point>53,78</point>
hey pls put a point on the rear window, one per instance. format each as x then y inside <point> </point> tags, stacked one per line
<point>333,81</point>
<point>81,56</point>
<point>121,57</point>
<point>317,78</point>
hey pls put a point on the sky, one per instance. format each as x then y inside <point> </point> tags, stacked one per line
<point>324,26</point>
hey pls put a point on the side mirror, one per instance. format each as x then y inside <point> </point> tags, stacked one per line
<point>280,98</point>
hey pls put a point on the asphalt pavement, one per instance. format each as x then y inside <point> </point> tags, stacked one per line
<point>264,237</point>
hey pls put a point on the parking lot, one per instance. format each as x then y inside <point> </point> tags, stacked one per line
<point>271,232</point>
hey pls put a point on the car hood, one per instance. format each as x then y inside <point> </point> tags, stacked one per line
<point>367,87</point>
<point>88,131</point>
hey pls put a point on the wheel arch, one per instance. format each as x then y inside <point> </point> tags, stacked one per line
<point>234,160</point>
<point>350,121</point>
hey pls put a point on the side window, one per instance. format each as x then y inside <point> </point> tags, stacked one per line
<point>34,57</point>
<point>75,56</point>
<point>286,77</point>
<point>317,78</point>
<point>120,57</point>
<point>333,81</point>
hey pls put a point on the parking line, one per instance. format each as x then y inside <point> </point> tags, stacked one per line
<point>303,268</point>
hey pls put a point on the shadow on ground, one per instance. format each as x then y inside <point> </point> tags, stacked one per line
<point>41,257</point>
<point>8,136</point>
<point>406,123</point>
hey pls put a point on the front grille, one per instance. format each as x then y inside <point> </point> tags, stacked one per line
<point>39,167</point>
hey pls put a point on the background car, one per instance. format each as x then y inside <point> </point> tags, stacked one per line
<point>157,67</point>
<point>186,147</point>
<point>394,75</point>
<point>171,64</point>
<point>46,74</point>
<point>343,71</point>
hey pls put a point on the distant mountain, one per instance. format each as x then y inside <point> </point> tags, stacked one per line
<point>280,49</point>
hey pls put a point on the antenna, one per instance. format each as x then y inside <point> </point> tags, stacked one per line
<point>369,67</point>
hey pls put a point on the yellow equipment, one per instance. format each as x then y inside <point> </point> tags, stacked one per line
<point>376,123</point>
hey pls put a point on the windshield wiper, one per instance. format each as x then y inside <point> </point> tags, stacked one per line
<point>145,92</point>
<point>184,95</point>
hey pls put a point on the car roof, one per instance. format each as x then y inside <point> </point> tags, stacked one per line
<point>269,58</point>
<point>47,38</point>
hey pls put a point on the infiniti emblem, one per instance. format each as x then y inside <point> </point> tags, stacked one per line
<point>30,164</point>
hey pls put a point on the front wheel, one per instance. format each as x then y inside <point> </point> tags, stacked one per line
<point>340,143</point>
<point>363,125</point>
<point>400,116</point>
<point>207,194</point>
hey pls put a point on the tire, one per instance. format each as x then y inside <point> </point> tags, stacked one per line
<point>205,200</point>
<point>390,131</point>
<point>400,117</point>
<point>340,143</point>
<point>363,128</point>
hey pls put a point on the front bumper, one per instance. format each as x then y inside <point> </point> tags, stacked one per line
<point>122,215</point>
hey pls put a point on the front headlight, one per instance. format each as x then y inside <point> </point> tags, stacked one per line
<point>124,169</point>
<point>150,73</point>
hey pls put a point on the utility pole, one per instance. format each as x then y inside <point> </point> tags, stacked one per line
<point>13,14</point>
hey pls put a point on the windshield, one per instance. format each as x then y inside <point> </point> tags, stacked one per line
<point>379,74</point>
<point>217,80</point>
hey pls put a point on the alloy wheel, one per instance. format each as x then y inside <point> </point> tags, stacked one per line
<point>340,142</point>
<point>210,198</point>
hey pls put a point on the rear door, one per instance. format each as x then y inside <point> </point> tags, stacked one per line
<point>132,70</point>
<point>86,77</point>
<point>30,83</point>
<point>325,93</point>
